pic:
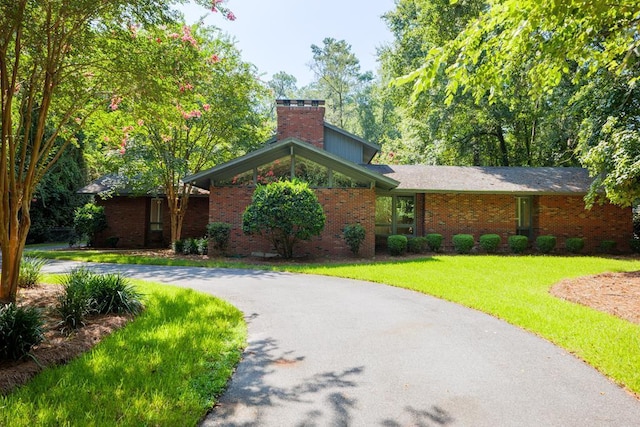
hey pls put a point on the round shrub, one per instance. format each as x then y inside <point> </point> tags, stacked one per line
<point>545,244</point>
<point>608,246</point>
<point>463,243</point>
<point>434,241</point>
<point>574,245</point>
<point>397,244</point>
<point>354,235</point>
<point>518,244</point>
<point>417,245</point>
<point>20,329</point>
<point>490,242</point>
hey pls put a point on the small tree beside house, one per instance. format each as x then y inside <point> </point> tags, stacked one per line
<point>284,212</point>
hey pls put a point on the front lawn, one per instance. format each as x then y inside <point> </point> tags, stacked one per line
<point>167,367</point>
<point>516,289</point>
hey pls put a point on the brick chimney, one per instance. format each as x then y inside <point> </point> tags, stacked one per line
<point>302,119</point>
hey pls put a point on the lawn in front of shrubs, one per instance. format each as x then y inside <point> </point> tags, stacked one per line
<point>166,367</point>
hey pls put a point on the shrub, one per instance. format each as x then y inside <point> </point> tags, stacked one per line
<point>518,244</point>
<point>30,271</point>
<point>434,241</point>
<point>354,235</point>
<point>608,246</point>
<point>417,245</point>
<point>545,244</point>
<point>20,329</point>
<point>397,244</point>
<point>177,246</point>
<point>189,247</point>
<point>112,293</point>
<point>490,242</point>
<point>463,243</point>
<point>574,245</point>
<point>201,246</point>
<point>112,241</point>
<point>219,233</point>
<point>89,220</point>
<point>635,245</point>
<point>284,212</point>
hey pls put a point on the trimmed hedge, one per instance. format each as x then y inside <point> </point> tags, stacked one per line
<point>417,245</point>
<point>518,244</point>
<point>397,244</point>
<point>545,244</point>
<point>490,242</point>
<point>608,246</point>
<point>219,233</point>
<point>434,241</point>
<point>463,243</point>
<point>574,245</point>
<point>354,235</point>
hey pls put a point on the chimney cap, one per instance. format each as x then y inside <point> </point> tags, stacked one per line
<point>300,102</point>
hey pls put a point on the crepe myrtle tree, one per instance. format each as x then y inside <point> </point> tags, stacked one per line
<point>284,212</point>
<point>56,68</point>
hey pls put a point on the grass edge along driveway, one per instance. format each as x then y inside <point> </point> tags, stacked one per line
<point>167,367</point>
<point>516,289</point>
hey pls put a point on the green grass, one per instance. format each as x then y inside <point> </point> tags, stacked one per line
<point>516,289</point>
<point>165,368</point>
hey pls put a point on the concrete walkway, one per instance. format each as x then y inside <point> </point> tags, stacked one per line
<point>335,352</point>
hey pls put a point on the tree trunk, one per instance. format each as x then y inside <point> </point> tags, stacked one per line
<point>12,245</point>
<point>503,146</point>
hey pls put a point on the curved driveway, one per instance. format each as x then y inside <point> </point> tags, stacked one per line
<point>335,352</point>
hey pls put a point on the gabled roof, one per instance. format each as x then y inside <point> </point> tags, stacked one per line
<point>283,148</point>
<point>465,179</point>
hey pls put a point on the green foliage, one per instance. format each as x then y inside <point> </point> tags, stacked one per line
<point>463,243</point>
<point>177,246</point>
<point>397,244</point>
<point>87,293</point>
<point>89,220</point>
<point>112,241</point>
<point>219,233</point>
<point>608,246</point>
<point>417,245</point>
<point>20,329</point>
<point>30,271</point>
<point>545,244</point>
<point>434,241</point>
<point>490,242</point>
<point>574,245</point>
<point>518,244</point>
<point>354,235</point>
<point>635,245</point>
<point>191,246</point>
<point>284,212</point>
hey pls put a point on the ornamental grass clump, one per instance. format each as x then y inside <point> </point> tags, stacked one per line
<point>434,241</point>
<point>21,328</point>
<point>545,244</point>
<point>397,244</point>
<point>463,243</point>
<point>518,244</point>
<point>30,271</point>
<point>490,242</point>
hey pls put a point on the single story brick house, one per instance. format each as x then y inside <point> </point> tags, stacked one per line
<point>386,199</point>
<point>403,199</point>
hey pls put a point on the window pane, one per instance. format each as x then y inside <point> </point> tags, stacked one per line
<point>383,210</point>
<point>155,220</point>
<point>524,212</point>
<point>312,173</point>
<point>343,181</point>
<point>278,170</point>
<point>242,179</point>
<point>405,210</point>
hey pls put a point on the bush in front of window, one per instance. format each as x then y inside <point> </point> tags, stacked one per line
<point>463,243</point>
<point>545,244</point>
<point>490,242</point>
<point>574,245</point>
<point>417,245</point>
<point>219,233</point>
<point>397,244</point>
<point>434,241</point>
<point>354,235</point>
<point>518,244</point>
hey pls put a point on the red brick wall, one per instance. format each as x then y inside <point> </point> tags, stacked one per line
<point>561,216</point>
<point>341,207</point>
<point>450,214</point>
<point>305,123</point>
<point>566,217</point>
<point>127,218</point>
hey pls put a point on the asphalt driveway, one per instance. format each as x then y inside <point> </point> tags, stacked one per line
<point>336,352</point>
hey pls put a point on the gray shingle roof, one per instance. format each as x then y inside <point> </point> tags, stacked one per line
<point>517,180</point>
